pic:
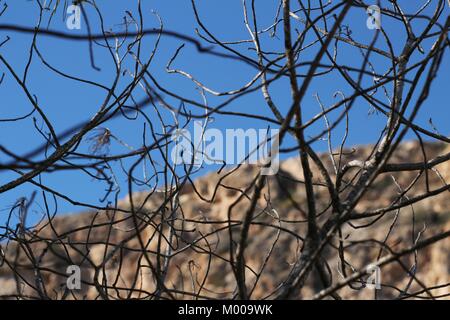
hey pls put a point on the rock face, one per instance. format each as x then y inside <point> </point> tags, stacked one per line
<point>116,250</point>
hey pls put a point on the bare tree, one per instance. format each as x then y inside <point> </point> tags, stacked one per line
<point>176,238</point>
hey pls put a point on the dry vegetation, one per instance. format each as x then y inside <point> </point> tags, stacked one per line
<point>310,231</point>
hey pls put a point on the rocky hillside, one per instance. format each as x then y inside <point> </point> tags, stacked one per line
<point>109,250</point>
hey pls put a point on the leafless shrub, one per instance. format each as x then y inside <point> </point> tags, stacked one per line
<point>240,234</point>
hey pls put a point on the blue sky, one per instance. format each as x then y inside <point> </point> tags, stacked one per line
<point>68,103</point>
